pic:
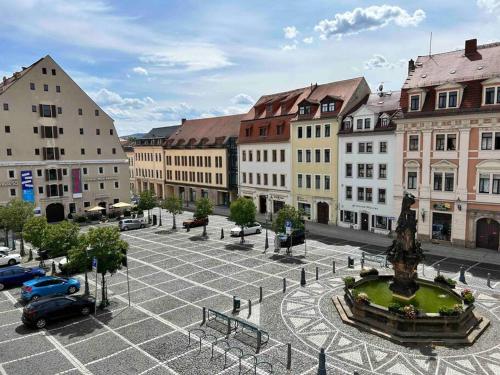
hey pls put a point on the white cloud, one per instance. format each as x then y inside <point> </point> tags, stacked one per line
<point>490,6</point>
<point>97,25</point>
<point>289,47</point>
<point>242,99</point>
<point>308,40</point>
<point>291,32</point>
<point>140,70</point>
<point>370,18</point>
<point>377,62</point>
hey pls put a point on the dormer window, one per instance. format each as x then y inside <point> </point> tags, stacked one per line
<point>263,131</point>
<point>492,95</point>
<point>447,99</point>
<point>367,123</point>
<point>415,103</point>
<point>385,122</point>
<point>359,123</point>
<point>248,132</point>
<point>305,110</point>
<point>347,124</point>
<point>269,108</point>
<point>328,107</point>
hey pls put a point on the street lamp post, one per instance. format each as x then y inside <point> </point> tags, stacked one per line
<point>159,221</point>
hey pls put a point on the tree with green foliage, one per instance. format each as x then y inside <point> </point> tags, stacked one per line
<point>60,238</point>
<point>242,211</point>
<point>34,232</point>
<point>288,213</point>
<point>204,207</point>
<point>105,245</point>
<point>3,224</point>
<point>173,205</point>
<point>15,217</point>
<point>147,201</point>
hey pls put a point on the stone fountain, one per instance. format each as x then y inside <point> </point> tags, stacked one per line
<point>403,307</point>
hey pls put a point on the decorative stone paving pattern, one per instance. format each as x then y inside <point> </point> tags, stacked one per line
<point>309,314</point>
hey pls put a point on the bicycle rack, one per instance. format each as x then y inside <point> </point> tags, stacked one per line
<point>227,350</point>
<point>248,356</point>
<point>201,336</point>
<point>269,365</point>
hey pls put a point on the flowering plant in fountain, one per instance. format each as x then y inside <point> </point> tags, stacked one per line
<point>362,298</point>
<point>467,296</point>
<point>410,312</point>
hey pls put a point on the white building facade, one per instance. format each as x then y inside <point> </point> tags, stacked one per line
<point>264,174</point>
<point>367,146</point>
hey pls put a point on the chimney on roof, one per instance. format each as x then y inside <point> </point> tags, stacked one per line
<point>183,121</point>
<point>470,47</point>
<point>411,66</point>
<point>4,79</point>
<point>24,68</point>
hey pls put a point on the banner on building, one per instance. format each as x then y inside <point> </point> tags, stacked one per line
<point>76,182</point>
<point>27,186</point>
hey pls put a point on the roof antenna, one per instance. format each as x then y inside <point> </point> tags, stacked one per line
<point>430,44</point>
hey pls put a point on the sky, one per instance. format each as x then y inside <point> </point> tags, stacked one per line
<point>150,63</point>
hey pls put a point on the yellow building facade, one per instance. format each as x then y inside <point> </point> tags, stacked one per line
<point>314,144</point>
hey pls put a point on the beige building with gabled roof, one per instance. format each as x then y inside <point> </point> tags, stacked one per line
<point>58,148</point>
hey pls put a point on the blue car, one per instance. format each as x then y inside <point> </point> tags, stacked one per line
<point>16,275</point>
<point>48,286</point>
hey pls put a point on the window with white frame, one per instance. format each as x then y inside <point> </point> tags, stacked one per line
<point>326,157</point>
<point>383,147</point>
<point>413,142</point>
<point>381,196</point>
<point>490,141</point>
<point>382,171</point>
<point>447,99</point>
<point>299,180</point>
<point>444,181</point>
<point>381,222</point>
<point>411,181</point>
<point>415,102</point>
<point>299,156</point>
<point>489,183</point>
<point>308,156</point>
<point>492,95</point>
<point>348,192</point>
<point>348,170</point>
<point>446,142</point>
<point>326,181</point>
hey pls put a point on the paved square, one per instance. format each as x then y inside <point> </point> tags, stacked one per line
<point>172,275</point>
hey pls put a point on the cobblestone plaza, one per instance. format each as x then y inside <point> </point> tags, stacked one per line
<point>174,274</point>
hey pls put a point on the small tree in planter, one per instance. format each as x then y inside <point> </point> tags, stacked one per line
<point>174,206</point>
<point>204,207</point>
<point>349,281</point>
<point>242,212</point>
<point>467,296</point>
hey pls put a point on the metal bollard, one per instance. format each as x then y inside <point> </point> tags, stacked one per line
<point>438,269</point>
<point>423,269</point>
<point>303,277</point>
<point>488,280</point>
<point>322,362</point>
<point>461,278</point>
<point>288,356</point>
<point>317,273</point>
<point>260,294</point>
<point>221,233</point>
<point>249,307</point>
<point>204,319</point>
<point>284,284</point>
<point>333,266</point>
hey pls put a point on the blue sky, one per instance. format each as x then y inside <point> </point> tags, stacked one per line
<point>151,63</point>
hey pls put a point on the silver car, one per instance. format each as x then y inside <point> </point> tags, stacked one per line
<point>127,224</point>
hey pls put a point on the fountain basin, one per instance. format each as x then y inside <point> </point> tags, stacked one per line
<point>428,326</point>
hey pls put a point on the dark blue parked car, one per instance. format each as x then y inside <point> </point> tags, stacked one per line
<point>16,275</point>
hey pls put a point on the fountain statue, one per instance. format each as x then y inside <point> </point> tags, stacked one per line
<point>405,253</point>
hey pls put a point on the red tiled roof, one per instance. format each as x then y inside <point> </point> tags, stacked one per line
<point>455,67</point>
<point>206,131</point>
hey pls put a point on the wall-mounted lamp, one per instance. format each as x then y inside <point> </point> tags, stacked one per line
<point>459,204</point>
<point>422,214</point>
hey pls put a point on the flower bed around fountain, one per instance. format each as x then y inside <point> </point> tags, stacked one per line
<point>436,313</point>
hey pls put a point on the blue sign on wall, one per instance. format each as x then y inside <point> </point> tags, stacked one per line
<point>27,186</point>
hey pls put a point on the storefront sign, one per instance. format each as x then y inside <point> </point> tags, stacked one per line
<point>441,206</point>
<point>27,186</point>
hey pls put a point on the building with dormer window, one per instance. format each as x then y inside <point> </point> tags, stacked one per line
<point>264,151</point>
<point>314,145</point>
<point>448,145</point>
<point>367,164</point>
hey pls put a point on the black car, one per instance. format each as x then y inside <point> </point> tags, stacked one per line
<point>38,314</point>
<point>297,237</point>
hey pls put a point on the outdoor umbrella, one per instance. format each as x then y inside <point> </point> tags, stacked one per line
<point>121,205</point>
<point>96,209</point>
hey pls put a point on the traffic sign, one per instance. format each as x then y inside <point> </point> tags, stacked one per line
<point>288,227</point>
<point>94,263</point>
